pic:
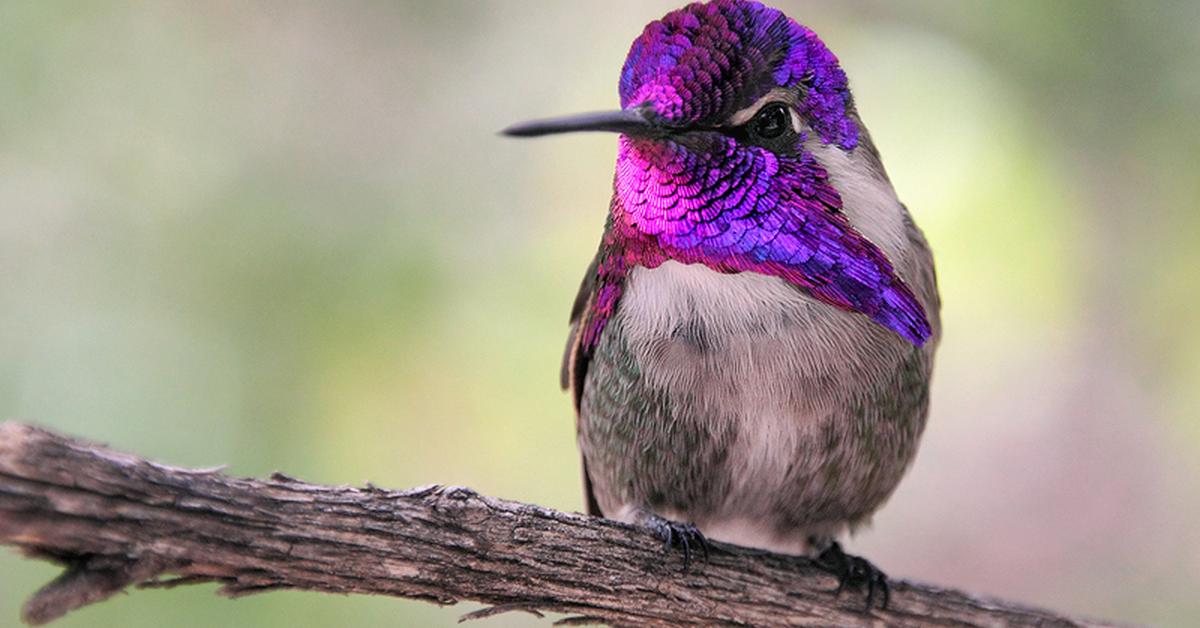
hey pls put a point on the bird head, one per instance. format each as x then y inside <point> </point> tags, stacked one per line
<point>738,140</point>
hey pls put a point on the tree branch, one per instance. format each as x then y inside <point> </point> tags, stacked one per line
<point>116,520</point>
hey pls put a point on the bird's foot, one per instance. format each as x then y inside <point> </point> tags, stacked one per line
<point>855,572</point>
<point>674,534</point>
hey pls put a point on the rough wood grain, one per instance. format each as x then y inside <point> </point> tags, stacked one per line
<point>116,520</point>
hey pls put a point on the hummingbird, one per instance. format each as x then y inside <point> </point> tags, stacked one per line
<point>750,350</point>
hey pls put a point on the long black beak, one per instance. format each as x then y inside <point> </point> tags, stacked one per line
<point>633,121</point>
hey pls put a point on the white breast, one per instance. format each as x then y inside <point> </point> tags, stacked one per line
<point>757,322</point>
<point>754,350</point>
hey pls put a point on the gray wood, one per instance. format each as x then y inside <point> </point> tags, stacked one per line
<point>116,520</point>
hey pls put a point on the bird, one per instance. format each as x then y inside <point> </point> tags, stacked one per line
<point>751,348</point>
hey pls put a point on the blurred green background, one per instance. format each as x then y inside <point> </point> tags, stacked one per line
<point>285,235</point>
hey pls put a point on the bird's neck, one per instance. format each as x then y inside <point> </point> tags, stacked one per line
<point>670,205</point>
<point>868,199</point>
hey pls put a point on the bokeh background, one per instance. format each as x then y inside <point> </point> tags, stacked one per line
<point>285,235</point>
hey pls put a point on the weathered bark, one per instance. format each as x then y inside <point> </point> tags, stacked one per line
<point>116,520</point>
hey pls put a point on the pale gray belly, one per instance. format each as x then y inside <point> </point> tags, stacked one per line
<point>736,403</point>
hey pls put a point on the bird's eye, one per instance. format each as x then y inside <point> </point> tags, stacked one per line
<point>771,122</point>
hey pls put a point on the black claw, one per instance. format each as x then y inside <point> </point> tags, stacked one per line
<point>855,572</point>
<point>682,535</point>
